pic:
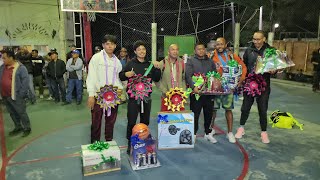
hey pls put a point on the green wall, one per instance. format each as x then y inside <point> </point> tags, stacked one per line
<point>185,43</point>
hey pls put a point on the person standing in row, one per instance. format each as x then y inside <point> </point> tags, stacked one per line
<point>173,74</point>
<point>138,65</point>
<point>200,63</point>
<point>104,69</point>
<point>250,57</point>
<point>221,55</point>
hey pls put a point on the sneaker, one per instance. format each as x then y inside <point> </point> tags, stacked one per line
<point>78,102</point>
<point>264,137</point>
<point>50,98</point>
<point>213,132</point>
<point>231,137</point>
<point>15,131</point>
<point>210,138</point>
<point>240,133</point>
<point>26,133</point>
<point>41,96</point>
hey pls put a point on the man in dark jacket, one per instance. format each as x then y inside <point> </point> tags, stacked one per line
<point>200,63</point>
<point>25,58</point>
<point>316,69</point>
<point>56,69</point>
<point>14,88</point>
<point>38,64</point>
<point>249,58</point>
<point>138,65</point>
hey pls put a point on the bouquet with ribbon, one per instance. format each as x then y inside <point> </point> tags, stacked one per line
<point>175,99</point>
<point>108,97</point>
<point>232,73</point>
<point>199,80</point>
<point>139,88</point>
<point>273,60</point>
<point>254,85</point>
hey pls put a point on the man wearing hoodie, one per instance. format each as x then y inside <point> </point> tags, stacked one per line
<point>138,65</point>
<point>200,63</point>
<point>250,57</point>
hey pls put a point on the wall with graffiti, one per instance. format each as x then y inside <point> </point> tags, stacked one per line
<point>34,23</point>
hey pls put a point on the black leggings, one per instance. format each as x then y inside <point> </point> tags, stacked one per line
<point>262,102</point>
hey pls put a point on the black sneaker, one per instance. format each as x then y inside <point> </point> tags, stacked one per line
<point>26,133</point>
<point>15,131</point>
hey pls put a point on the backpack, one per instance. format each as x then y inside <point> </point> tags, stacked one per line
<point>283,120</point>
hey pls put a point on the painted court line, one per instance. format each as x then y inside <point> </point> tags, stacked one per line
<point>5,159</point>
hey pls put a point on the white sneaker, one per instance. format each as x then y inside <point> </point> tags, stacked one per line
<point>50,98</point>
<point>231,137</point>
<point>210,138</point>
<point>41,96</point>
<point>240,133</point>
<point>213,132</point>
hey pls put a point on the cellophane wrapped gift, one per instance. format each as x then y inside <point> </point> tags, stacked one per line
<point>273,60</point>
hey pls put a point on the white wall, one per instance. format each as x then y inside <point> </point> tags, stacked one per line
<point>32,22</point>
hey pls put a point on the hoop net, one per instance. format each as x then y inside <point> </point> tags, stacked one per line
<point>89,5</point>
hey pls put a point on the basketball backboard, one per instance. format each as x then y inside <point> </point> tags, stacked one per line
<point>97,6</point>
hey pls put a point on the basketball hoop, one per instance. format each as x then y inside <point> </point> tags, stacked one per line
<point>90,5</point>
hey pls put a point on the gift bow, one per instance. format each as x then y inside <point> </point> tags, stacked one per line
<point>104,160</point>
<point>214,74</point>
<point>99,146</point>
<point>233,63</point>
<point>198,80</point>
<point>270,52</point>
<point>162,118</point>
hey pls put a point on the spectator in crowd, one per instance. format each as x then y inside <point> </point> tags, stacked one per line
<point>56,69</point>
<point>24,57</point>
<point>14,89</point>
<point>316,69</point>
<point>74,69</point>
<point>38,64</point>
<point>47,59</point>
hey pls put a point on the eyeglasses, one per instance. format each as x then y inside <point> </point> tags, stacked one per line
<point>256,39</point>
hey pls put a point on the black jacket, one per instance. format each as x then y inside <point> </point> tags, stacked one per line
<point>56,69</point>
<point>140,68</point>
<point>25,59</point>
<point>250,58</point>
<point>316,58</point>
<point>38,64</point>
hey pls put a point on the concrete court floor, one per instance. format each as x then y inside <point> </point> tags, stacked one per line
<point>292,154</point>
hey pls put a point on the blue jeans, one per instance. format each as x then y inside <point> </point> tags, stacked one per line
<point>58,84</point>
<point>74,83</point>
<point>31,92</point>
<point>48,83</point>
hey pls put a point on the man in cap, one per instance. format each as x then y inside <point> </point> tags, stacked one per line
<point>56,69</point>
<point>74,69</point>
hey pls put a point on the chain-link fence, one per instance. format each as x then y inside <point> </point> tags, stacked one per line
<point>173,17</point>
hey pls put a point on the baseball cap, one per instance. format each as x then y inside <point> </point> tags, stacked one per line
<point>75,52</point>
<point>53,51</point>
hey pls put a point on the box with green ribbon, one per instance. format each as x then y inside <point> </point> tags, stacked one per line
<point>100,157</point>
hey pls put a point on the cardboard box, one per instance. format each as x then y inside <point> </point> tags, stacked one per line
<point>91,159</point>
<point>176,130</point>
